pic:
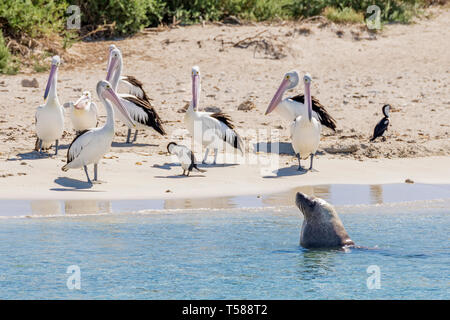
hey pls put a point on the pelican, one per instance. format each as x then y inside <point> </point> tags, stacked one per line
<point>306,129</point>
<point>83,113</point>
<point>382,125</point>
<point>133,85</point>
<point>49,117</point>
<point>209,129</point>
<point>140,110</point>
<point>292,107</point>
<point>90,145</point>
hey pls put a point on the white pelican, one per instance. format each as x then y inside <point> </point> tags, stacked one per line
<point>306,129</point>
<point>140,110</point>
<point>50,117</point>
<point>382,125</point>
<point>90,145</point>
<point>209,129</point>
<point>83,113</point>
<point>133,85</point>
<point>292,107</point>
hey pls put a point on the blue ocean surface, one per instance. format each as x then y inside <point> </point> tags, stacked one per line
<point>235,251</point>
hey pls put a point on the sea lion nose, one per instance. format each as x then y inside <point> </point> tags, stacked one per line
<point>302,199</point>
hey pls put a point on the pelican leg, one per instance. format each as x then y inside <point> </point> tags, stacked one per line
<point>95,171</point>
<point>206,156</point>
<point>135,136</point>
<point>311,166</point>
<point>216,151</point>
<point>184,171</point>
<point>56,147</point>
<point>128,135</point>
<point>300,168</point>
<point>87,174</point>
<point>40,146</point>
<point>187,175</point>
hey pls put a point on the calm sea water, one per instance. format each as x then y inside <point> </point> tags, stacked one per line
<point>230,253</point>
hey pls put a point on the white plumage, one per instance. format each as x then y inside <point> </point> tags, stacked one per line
<point>305,136</point>
<point>292,107</point>
<point>49,118</point>
<point>212,130</point>
<point>83,113</point>
<point>139,106</point>
<point>185,157</point>
<point>90,146</point>
<point>306,130</point>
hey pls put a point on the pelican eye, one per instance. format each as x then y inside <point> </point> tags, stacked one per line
<point>288,77</point>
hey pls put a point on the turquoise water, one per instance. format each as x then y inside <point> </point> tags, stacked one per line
<point>231,253</point>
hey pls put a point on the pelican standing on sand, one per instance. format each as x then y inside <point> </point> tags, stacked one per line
<point>90,146</point>
<point>292,107</point>
<point>306,129</point>
<point>140,110</point>
<point>50,117</point>
<point>209,129</point>
<point>83,113</point>
<point>133,85</point>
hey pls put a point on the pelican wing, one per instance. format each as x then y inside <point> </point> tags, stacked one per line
<point>324,117</point>
<point>142,112</point>
<point>135,87</point>
<point>82,139</point>
<point>223,127</point>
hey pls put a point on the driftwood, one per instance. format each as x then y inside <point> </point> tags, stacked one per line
<point>266,44</point>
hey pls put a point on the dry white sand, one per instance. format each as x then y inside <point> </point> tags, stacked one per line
<point>406,66</point>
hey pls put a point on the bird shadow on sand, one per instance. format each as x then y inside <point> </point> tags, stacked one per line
<point>274,147</point>
<point>130,145</point>
<point>169,166</point>
<point>284,148</point>
<point>70,184</point>
<point>286,172</point>
<point>180,176</point>
<point>34,155</point>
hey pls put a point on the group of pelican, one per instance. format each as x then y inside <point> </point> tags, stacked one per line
<point>211,130</point>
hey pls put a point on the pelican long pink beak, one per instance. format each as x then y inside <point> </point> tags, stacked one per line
<point>111,67</point>
<point>111,48</point>
<point>277,97</point>
<point>308,99</point>
<point>50,80</point>
<point>111,96</point>
<point>195,81</point>
<point>82,103</point>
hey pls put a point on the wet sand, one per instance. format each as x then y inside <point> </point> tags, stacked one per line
<point>349,196</point>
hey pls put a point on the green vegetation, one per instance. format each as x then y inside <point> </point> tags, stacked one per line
<point>346,15</point>
<point>22,20</point>
<point>7,64</point>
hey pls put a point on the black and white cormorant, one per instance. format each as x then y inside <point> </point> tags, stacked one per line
<point>382,125</point>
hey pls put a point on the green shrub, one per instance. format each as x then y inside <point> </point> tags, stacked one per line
<point>34,18</point>
<point>391,10</point>
<point>129,15</point>
<point>7,63</point>
<point>346,15</point>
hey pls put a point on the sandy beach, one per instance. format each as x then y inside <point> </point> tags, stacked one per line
<point>354,73</point>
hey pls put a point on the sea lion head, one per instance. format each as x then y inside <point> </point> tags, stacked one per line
<point>312,207</point>
<point>322,227</point>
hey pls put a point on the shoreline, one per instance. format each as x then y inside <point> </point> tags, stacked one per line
<point>131,177</point>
